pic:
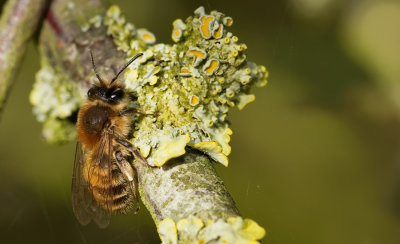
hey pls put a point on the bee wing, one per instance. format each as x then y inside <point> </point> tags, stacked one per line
<point>103,166</point>
<point>84,204</point>
<point>80,192</point>
<point>135,194</point>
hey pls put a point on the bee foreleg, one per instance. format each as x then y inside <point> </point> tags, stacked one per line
<point>134,110</point>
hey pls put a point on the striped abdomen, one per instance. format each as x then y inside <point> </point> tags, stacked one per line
<point>99,184</point>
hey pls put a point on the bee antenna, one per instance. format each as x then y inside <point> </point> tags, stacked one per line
<point>126,65</point>
<point>94,68</point>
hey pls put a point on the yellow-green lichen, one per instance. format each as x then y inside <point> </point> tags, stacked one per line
<point>125,35</point>
<point>213,149</point>
<point>190,85</point>
<point>57,131</point>
<point>189,228</point>
<point>228,21</point>
<point>55,98</point>
<point>170,147</point>
<point>207,25</point>
<point>211,66</point>
<point>167,231</point>
<point>218,32</point>
<point>146,36</point>
<point>179,28</point>
<point>194,100</point>
<point>197,54</point>
<point>234,230</point>
<point>244,99</point>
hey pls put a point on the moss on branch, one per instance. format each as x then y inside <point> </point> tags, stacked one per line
<point>190,84</point>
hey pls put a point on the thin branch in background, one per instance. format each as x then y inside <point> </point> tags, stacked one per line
<point>18,23</point>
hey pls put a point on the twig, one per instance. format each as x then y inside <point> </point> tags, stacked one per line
<point>18,23</point>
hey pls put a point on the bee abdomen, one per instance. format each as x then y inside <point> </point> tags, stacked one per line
<point>122,204</point>
<point>120,192</point>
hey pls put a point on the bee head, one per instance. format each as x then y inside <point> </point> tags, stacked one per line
<point>111,95</point>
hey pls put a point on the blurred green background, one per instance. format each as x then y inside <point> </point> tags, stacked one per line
<point>315,159</point>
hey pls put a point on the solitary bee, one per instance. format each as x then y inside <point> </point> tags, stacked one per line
<point>103,181</point>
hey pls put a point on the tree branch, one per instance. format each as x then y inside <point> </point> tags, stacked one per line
<point>17,25</point>
<point>194,189</point>
<point>190,85</point>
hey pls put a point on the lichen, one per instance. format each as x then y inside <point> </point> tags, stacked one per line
<point>179,27</point>
<point>55,98</point>
<point>234,230</point>
<point>191,84</point>
<point>57,131</point>
<point>175,146</point>
<point>168,232</point>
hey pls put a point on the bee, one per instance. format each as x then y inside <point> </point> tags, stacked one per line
<point>103,180</point>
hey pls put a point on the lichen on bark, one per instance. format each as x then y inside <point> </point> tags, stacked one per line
<point>190,85</point>
<point>178,185</point>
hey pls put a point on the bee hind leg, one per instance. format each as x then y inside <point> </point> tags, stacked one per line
<point>129,174</point>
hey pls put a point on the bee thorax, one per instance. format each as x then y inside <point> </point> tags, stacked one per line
<point>95,119</point>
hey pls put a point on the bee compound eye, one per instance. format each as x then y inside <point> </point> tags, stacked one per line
<point>90,93</point>
<point>117,95</point>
